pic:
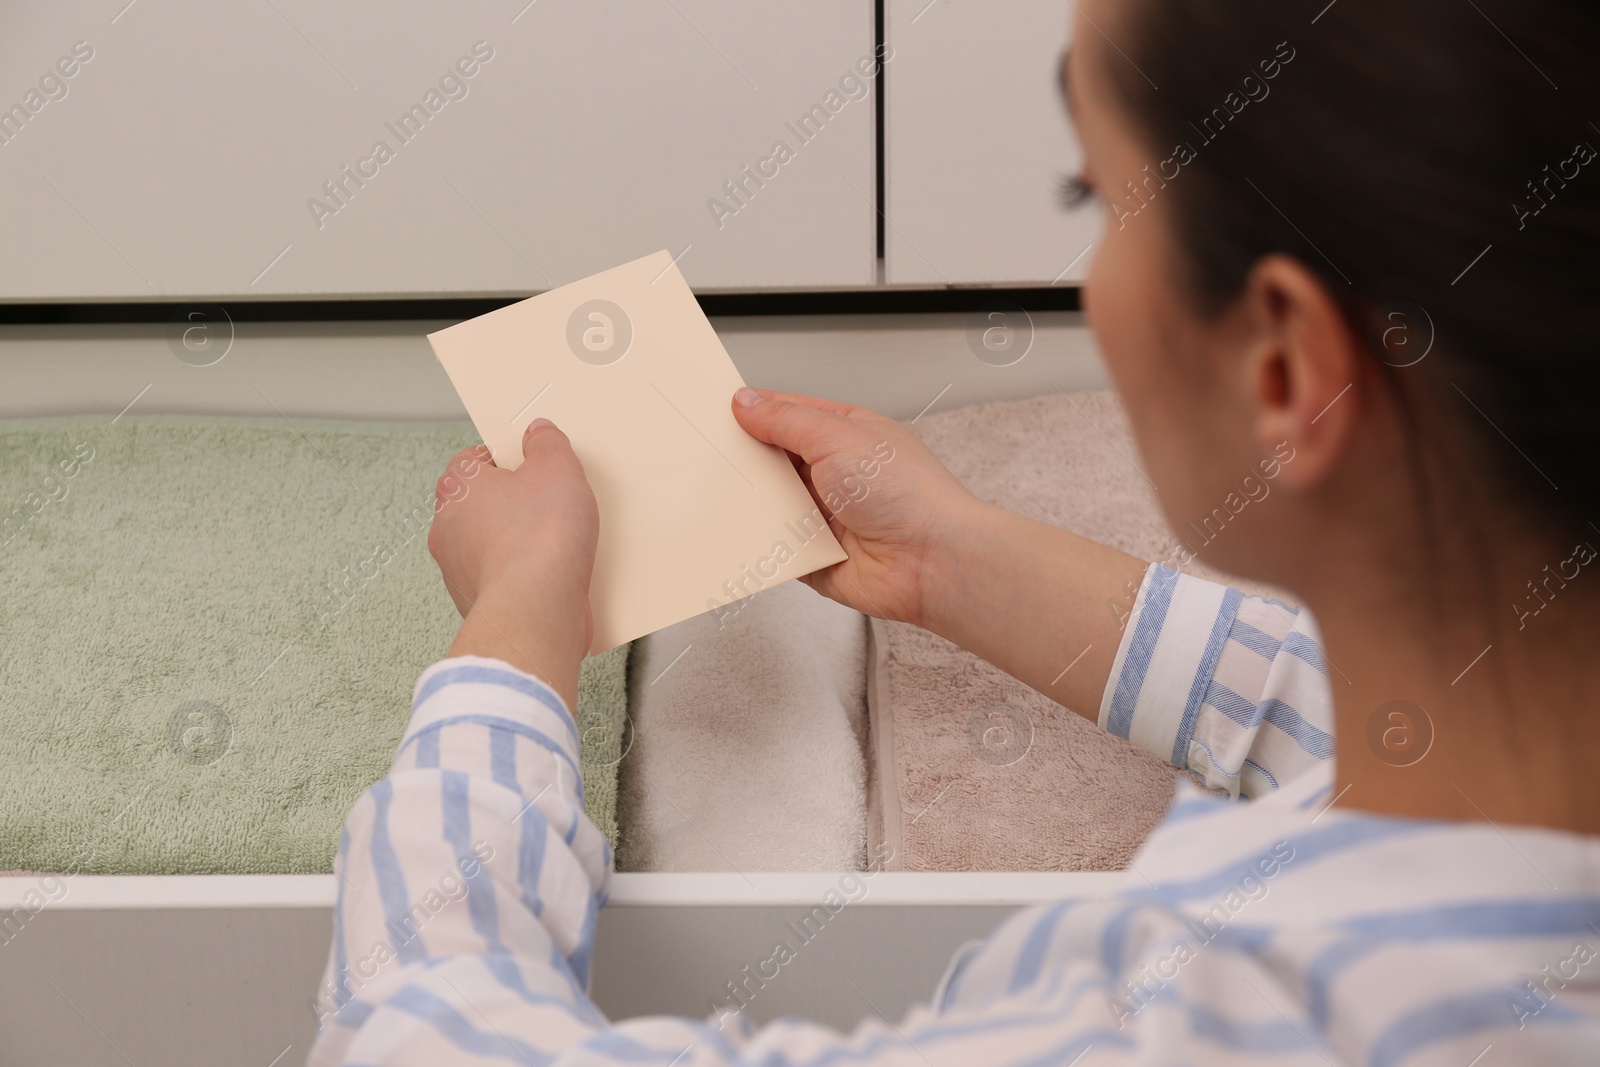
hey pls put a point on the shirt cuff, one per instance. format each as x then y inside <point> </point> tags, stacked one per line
<point>1168,654</point>
<point>481,689</point>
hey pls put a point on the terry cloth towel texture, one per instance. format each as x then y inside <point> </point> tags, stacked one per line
<point>971,769</point>
<point>748,742</point>
<point>212,631</point>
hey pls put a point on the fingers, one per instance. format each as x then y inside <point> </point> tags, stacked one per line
<point>807,431</point>
<point>463,466</point>
<point>469,461</point>
<point>543,445</point>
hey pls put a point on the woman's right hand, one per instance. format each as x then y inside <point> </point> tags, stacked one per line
<point>893,506</point>
<point>1028,597</point>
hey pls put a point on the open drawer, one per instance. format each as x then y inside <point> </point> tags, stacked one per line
<point>222,969</point>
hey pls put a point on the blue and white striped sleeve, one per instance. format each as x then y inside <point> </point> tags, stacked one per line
<point>1232,687</point>
<point>469,882</point>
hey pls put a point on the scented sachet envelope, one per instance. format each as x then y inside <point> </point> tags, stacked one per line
<point>695,514</point>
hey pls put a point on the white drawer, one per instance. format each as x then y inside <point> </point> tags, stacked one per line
<point>207,970</point>
<point>222,969</point>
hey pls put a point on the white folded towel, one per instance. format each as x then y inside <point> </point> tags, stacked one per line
<point>749,740</point>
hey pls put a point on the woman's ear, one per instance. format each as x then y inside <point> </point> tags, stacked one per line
<point>1308,380</point>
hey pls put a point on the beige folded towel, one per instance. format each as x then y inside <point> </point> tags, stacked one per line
<point>971,769</point>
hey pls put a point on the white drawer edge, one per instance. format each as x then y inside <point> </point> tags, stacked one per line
<point>883,888</point>
<point>35,893</point>
<point>86,892</point>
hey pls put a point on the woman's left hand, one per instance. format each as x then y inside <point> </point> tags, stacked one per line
<point>516,550</point>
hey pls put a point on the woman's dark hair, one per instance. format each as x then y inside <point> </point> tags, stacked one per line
<point>1426,162</point>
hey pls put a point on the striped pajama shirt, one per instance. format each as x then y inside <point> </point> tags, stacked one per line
<point>1277,930</point>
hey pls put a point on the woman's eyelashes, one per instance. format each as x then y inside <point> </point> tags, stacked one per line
<point>1074,191</point>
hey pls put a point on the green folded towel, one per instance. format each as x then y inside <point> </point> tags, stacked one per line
<point>211,634</point>
<point>602,722</point>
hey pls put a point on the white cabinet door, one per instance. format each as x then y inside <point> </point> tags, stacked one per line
<point>976,145</point>
<point>287,148</point>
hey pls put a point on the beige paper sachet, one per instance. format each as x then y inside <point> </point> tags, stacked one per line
<point>695,514</point>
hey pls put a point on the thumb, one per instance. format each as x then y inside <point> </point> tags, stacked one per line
<point>543,443</point>
<point>805,431</point>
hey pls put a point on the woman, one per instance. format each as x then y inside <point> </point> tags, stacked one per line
<point>1354,251</point>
